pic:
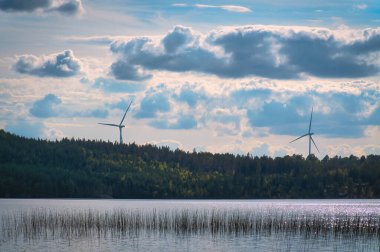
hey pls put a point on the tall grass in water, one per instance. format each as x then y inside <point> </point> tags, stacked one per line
<point>76,223</point>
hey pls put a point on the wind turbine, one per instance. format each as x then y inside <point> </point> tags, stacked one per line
<point>120,125</point>
<point>309,133</point>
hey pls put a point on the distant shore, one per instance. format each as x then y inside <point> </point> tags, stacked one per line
<point>72,168</point>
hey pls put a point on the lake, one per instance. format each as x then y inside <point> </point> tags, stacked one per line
<point>189,225</point>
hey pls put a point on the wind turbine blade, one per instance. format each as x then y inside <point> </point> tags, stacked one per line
<point>109,124</point>
<point>299,137</point>
<point>125,113</point>
<point>314,143</point>
<point>311,118</point>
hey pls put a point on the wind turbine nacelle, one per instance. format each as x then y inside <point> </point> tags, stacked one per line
<point>311,134</point>
<point>121,126</point>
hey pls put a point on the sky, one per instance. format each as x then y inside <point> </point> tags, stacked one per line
<point>219,76</point>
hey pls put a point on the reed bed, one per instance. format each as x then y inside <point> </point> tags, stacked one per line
<point>47,223</point>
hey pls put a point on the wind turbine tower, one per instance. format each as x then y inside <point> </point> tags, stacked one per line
<point>120,125</point>
<point>309,134</point>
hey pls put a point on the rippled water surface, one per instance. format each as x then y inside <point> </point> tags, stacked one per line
<point>189,225</point>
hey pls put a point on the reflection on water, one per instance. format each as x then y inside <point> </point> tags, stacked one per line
<point>166,242</point>
<point>190,225</point>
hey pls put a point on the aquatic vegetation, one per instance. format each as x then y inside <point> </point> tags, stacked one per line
<point>38,223</point>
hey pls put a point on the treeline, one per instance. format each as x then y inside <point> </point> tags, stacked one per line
<point>96,169</point>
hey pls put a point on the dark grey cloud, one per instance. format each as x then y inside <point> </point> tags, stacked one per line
<point>68,7</point>
<point>46,107</point>
<point>122,70</point>
<point>71,7</point>
<point>140,52</point>
<point>370,44</point>
<point>113,86</point>
<point>52,106</point>
<point>328,57</point>
<point>178,38</point>
<point>238,52</point>
<point>63,64</point>
<point>252,52</point>
<point>24,5</point>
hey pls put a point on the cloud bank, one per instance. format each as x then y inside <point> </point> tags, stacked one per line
<point>248,111</point>
<point>265,51</point>
<point>63,64</point>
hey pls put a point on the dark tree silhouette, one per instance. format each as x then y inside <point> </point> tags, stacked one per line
<point>96,169</point>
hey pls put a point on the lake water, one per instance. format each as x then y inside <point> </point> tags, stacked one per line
<point>189,225</point>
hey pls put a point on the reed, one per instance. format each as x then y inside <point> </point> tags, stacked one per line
<point>47,223</point>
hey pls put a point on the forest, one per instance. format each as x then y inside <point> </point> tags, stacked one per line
<point>79,168</point>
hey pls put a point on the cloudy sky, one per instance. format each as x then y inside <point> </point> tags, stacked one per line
<point>221,76</point>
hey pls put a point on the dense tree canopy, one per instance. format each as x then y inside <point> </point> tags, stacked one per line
<point>94,169</point>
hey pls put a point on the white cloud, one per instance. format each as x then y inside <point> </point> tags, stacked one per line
<point>371,149</point>
<point>53,133</point>
<point>232,8</point>
<point>172,144</point>
<point>179,5</point>
<point>360,6</point>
